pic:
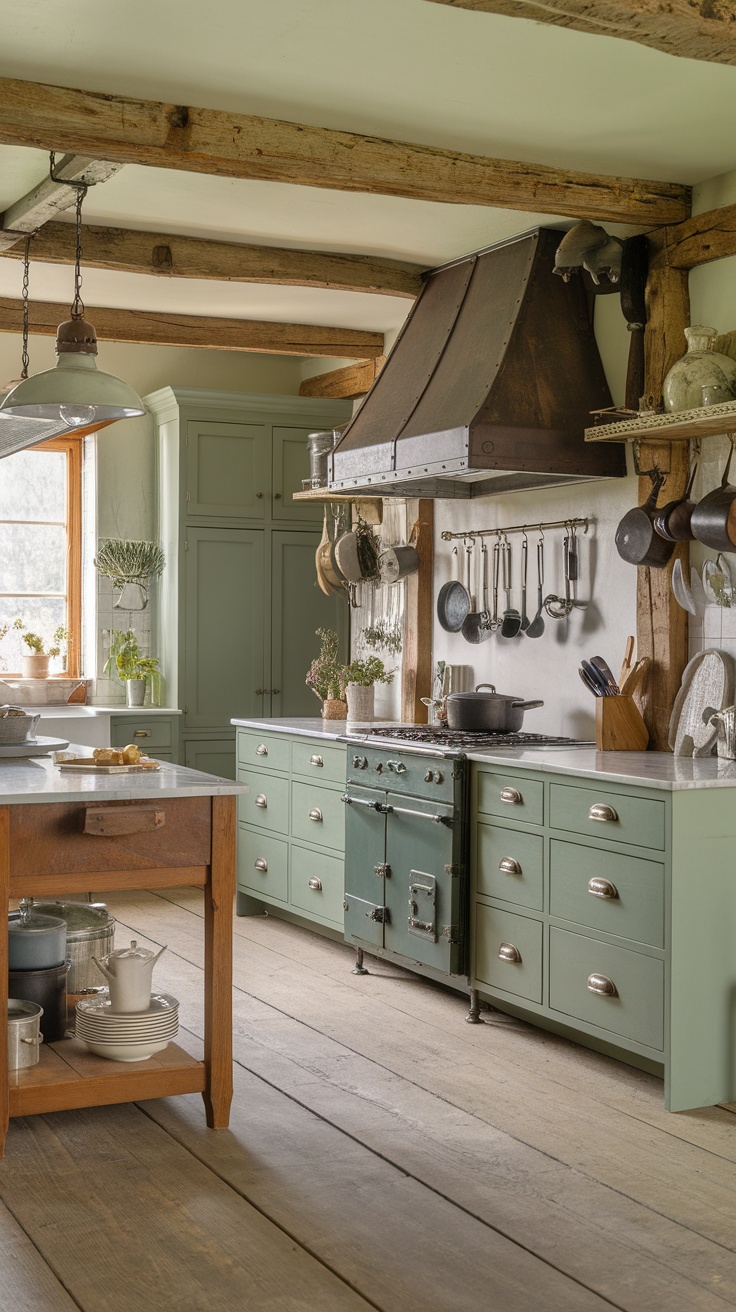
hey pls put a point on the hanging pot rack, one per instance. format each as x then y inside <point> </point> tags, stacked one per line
<point>535,526</point>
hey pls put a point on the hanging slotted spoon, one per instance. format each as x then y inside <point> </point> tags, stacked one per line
<point>511,621</point>
<point>536,628</point>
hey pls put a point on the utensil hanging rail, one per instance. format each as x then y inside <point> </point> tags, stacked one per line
<point>535,526</point>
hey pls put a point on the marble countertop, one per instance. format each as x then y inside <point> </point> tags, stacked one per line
<point>83,709</point>
<point>658,770</point>
<point>36,779</point>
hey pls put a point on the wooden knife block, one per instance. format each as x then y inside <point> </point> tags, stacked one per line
<point>619,726</point>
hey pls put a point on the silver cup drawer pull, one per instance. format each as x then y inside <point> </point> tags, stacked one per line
<point>509,866</point>
<point>262,801</point>
<point>315,885</point>
<point>507,952</point>
<point>142,733</point>
<point>261,750</point>
<point>602,985</point>
<point>512,796</point>
<point>316,760</point>
<point>261,864</point>
<point>316,815</point>
<point>603,812</point>
<point>602,888</point>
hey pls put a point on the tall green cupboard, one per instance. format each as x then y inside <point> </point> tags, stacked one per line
<point>238,604</point>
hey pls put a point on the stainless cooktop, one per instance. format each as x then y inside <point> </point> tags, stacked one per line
<point>430,735</point>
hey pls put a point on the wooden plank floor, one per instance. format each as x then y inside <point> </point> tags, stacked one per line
<point>382,1154</point>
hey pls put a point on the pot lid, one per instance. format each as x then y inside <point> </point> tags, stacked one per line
<point>143,954</point>
<point>78,916</point>
<point>33,924</point>
<point>483,696</point>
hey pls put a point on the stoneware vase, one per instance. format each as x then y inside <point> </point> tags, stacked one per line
<point>35,666</point>
<point>135,691</point>
<point>361,702</point>
<point>334,709</point>
<point>701,366</point>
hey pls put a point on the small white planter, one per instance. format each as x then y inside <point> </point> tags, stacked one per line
<point>135,691</point>
<point>361,702</point>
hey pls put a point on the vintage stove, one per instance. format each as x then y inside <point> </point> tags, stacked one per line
<point>406,843</point>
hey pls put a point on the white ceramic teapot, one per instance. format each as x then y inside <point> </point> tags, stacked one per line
<point>128,972</point>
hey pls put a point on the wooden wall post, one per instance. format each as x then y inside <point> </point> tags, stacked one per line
<point>416,669</point>
<point>661,624</point>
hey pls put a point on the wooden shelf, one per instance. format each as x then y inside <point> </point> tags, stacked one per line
<point>707,421</point>
<point>68,1075</point>
<point>322,494</point>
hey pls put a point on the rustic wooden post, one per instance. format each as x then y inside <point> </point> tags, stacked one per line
<point>416,669</point>
<point>661,624</point>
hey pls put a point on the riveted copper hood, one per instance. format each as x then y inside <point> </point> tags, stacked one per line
<point>488,387</point>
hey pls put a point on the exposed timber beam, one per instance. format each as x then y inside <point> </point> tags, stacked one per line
<point>694,29</point>
<point>705,237</point>
<point>167,255</point>
<point>198,140</point>
<point>50,198</point>
<point>162,329</point>
<point>352,381</point>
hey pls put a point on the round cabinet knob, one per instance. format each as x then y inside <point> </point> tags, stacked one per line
<point>261,750</point>
<point>317,760</point>
<point>261,864</point>
<point>602,811</point>
<point>602,888</point>
<point>262,801</point>
<point>275,692</point>
<point>509,866</point>
<point>316,814</point>
<point>511,795</point>
<point>315,885</point>
<point>260,692</point>
<point>602,985</point>
<point>277,496</point>
<point>507,952</point>
<point>259,496</point>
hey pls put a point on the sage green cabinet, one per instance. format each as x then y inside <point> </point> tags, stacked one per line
<point>213,755</point>
<point>238,604</point>
<point>291,827</point>
<point>625,902</point>
<point>156,735</point>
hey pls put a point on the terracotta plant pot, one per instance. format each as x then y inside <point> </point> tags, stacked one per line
<point>35,666</point>
<point>334,709</point>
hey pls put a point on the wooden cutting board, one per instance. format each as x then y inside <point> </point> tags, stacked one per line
<point>708,683</point>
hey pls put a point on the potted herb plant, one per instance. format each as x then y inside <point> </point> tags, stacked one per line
<point>36,664</point>
<point>327,676</point>
<point>362,677</point>
<point>132,668</point>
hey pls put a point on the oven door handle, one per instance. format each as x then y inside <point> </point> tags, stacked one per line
<point>385,809</point>
<point>381,807</point>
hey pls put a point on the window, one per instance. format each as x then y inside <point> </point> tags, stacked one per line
<point>41,548</point>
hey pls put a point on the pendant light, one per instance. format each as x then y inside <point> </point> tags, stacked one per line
<point>18,433</point>
<point>75,391</point>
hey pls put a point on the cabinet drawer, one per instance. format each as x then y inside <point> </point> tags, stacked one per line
<point>510,865</point>
<point>512,796</point>
<point>503,930</point>
<point>606,890</point>
<point>267,803</point>
<point>312,758</point>
<point>268,749</point>
<point>144,733</point>
<point>636,1009</point>
<point>317,883</point>
<point>263,864</point>
<point>636,820</point>
<point>318,815</point>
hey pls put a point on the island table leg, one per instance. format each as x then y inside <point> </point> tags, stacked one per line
<point>219,893</point>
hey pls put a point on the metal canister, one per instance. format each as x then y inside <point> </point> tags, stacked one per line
<point>90,932</point>
<point>320,446</point>
<point>24,1033</point>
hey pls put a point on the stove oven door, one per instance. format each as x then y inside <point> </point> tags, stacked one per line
<point>425,886</point>
<point>365,856</point>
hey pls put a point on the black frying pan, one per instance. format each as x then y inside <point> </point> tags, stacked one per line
<point>453,602</point>
<point>637,540</point>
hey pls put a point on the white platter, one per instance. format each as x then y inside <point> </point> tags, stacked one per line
<point>126,1051</point>
<point>145,1036</point>
<point>33,747</point>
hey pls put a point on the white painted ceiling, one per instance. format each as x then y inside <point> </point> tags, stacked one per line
<point>399,68</point>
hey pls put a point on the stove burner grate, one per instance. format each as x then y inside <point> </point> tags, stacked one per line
<point>438,737</point>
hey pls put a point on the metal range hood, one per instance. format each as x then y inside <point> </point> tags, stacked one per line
<point>488,387</point>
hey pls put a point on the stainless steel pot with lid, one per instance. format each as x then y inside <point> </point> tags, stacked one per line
<point>487,712</point>
<point>35,941</point>
<point>24,1033</point>
<point>90,932</point>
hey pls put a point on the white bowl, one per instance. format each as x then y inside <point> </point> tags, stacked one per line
<point>126,1051</point>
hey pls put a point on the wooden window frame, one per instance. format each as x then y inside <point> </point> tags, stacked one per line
<point>72,446</point>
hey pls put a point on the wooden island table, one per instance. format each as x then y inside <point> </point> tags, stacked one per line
<point>63,833</point>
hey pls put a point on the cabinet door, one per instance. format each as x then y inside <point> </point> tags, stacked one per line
<point>225,622</point>
<point>290,466</point>
<point>299,609</point>
<point>213,755</point>
<point>228,474</point>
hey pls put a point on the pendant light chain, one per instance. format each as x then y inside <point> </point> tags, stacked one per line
<point>77,311</point>
<point>26,264</point>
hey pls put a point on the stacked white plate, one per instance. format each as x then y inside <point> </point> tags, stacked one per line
<point>127,1036</point>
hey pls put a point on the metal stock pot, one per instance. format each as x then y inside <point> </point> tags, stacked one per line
<point>90,931</point>
<point>486,712</point>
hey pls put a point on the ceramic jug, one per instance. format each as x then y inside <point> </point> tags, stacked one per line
<point>726,721</point>
<point>128,972</point>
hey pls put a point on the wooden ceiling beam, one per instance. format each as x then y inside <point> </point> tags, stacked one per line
<point>162,329</point>
<point>699,240</point>
<point>693,29</point>
<point>149,132</point>
<point>348,383</point>
<point>50,198</point>
<point>166,255</point>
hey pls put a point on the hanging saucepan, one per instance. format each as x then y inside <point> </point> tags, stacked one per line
<point>714,518</point>
<point>453,602</point>
<point>637,540</point>
<point>672,522</point>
